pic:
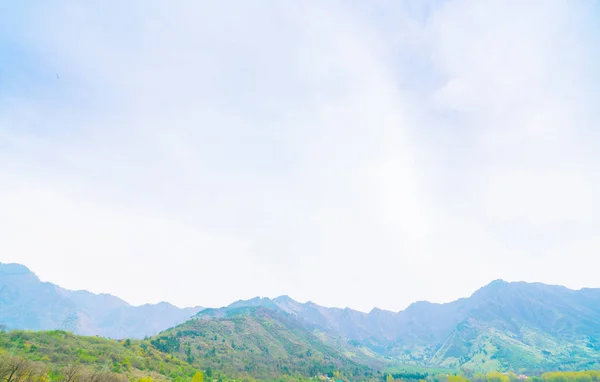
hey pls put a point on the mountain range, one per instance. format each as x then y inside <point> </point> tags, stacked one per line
<point>502,326</point>
<point>506,326</point>
<point>28,303</point>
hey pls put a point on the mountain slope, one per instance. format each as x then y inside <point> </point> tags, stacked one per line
<point>28,303</point>
<point>58,351</point>
<point>262,342</point>
<point>507,326</point>
<point>525,326</point>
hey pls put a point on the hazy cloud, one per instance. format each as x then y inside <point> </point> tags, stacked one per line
<point>345,153</point>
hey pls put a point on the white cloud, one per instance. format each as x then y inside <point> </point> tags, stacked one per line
<point>349,155</point>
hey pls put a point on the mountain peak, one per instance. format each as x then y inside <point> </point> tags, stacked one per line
<point>256,301</point>
<point>376,311</point>
<point>284,298</point>
<point>14,269</point>
<point>492,287</point>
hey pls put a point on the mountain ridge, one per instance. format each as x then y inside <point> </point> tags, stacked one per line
<point>26,302</point>
<point>502,325</point>
<point>22,269</point>
<point>547,325</point>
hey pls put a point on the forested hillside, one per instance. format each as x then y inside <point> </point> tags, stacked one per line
<point>523,327</point>
<point>509,327</point>
<point>57,353</point>
<point>263,343</point>
<point>61,356</point>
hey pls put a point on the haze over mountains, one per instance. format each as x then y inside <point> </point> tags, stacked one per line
<point>503,325</point>
<point>28,303</point>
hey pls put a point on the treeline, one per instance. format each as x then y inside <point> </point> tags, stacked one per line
<point>61,356</point>
<point>563,376</point>
<point>58,356</point>
<point>406,376</point>
<point>19,369</point>
<point>557,376</point>
<point>57,348</point>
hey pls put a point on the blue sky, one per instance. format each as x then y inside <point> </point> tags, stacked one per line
<point>349,153</point>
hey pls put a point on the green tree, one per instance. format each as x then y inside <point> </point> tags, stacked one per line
<point>496,377</point>
<point>457,378</point>
<point>198,377</point>
<point>127,364</point>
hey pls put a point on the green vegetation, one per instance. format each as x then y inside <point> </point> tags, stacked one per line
<point>528,351</point>
<point>61,356</point>
<point>417,369</point>
<point>558,376</point>
<point>517,328</point>
<point>205,350</point>
<point>258,342</point>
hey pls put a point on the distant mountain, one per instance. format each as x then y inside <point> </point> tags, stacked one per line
<point>28,303</point>
<point>507,326</point>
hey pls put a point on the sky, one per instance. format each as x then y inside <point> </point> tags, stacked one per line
<point>350,153</point>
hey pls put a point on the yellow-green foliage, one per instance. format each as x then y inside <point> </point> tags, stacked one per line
<point>568,376</point>
<point>457,378</point>
<point>558,376</point>
<point>49,356</point>
<point>497,377</point>
<point>57,349</point>
<point>19,369</point>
